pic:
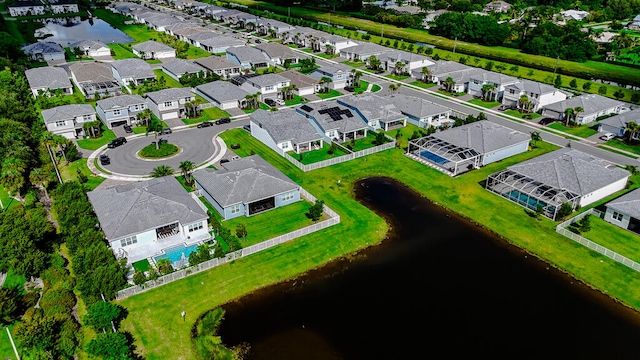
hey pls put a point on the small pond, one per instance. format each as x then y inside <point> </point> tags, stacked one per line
<point>65,31</point>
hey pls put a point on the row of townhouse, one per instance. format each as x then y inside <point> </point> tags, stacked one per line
<point>32,8</point>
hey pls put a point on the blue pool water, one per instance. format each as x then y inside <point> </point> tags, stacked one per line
<point>531,203</point>
<point>433,157</point>
<point>175,253</point>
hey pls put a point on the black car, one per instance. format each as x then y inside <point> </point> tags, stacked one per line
<point>270,102</point>
<point>247,127</point>
<point>161,141</point>
<point>349,88</point>
<point>104,159</point>
<point>127,128</point>
<point>258,41</point>
<point>205,124</point>
<point>166,131</point>
<point>224,120</point>
<point>222,161</point>
<point>546,121</point>
<point>116,142</point>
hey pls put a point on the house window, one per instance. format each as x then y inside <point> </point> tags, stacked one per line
<point>116,112</point>
<point>235,209</point>
<point>188,99</point>
<point>61,123</point>
<point>194,227</point>
<point>285,145</point>
<point>136,107</point>
<point>168,103</point>
<point>269,87</point>
<point>283,84</point>
<point>86,117</point>
<point>128,241</point>
<point>288,196</point>
<point>617,216</point>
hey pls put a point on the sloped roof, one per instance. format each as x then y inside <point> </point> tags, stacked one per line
<point>215,63</point>
<point>621,120</point>
<point>88,45</point>
<point>482,136</point>
<point>493,77</point>
<point>221,40</point>
<point>267,79</point>
<point>590,103</point>
<point>531,87</point>
<point>299,79</point>
<point>345,124</point>
<point>570,169</point>
<point>222,91</point>
<point>48,77</point>
<point>247,53</point>
<point>135,68</point>
<point>118,102</point>
<point>43,47</point>
<point>366,48</point>
<point>405,57</point>
<point>277,51</point>
<point>152,46</point>
<point>415,106</point>
<point>170,94</point>
<point>373,107</point>
<point>182,66</point>
<point>136,207</point>
<point>628,203</point>
<point>66,112</point>
<point>91,71</point>
<point>244,181</point>
<point>286,125</point>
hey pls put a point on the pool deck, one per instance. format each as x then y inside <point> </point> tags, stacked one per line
<point>157,248</point>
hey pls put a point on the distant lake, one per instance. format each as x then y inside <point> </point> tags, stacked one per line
<point>65,31</point>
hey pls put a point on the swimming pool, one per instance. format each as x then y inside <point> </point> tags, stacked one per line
<point>433,157</point>
<point>175,254</point>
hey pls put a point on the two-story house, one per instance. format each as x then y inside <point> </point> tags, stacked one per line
<point>269,85</point>
<point>495,84</point>
<point>219,65</point>
<point>169,103</point>
<point>339,74</point>
<point>531,95</point>
<point>120,110</point>
<point>68,120</point>
<point>26,8</point>
<point>153,50</point>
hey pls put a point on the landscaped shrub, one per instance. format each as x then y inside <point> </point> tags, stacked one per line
<point>235,146</point>
<point>164,150</point>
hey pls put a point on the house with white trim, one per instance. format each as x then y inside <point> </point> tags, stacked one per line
<point>421,112</point>
<point>269,85</point>
<point>285,130</point>
<point>223,94</point>
<point>43,51</point>
<point>91,48</point>
<point>169,103</point>
<point>219,65</point>
<point>120,110</point>
<point>538,95</point>
<point>132,71</point>
<point>26,8</point>
<point>153,50</point>
<point>68,120</point>
<point>93,77</point>
<point>48,80</point>
<point>593,106</point>
<point>624,211</point>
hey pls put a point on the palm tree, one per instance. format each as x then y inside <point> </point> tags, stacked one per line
<point>399,68</point>
<point>12,175</point>
<point>156,126</point>
<point>394,87</point>
<point>325,80</point>
<point>356,74</point>
<point>449,83</point>
<point>535,137</point>
<point>577,110</point>
<point>524,103</point>
<point>425,73</point>
<point>61,143</point>
<point>144,116</point>
<point>40,177</point>
<point>632,130</point>
<point>161,170</point>
<point>291,92</point>
<point>186,167</point>
<point>568,114</point>
<point>374,63</point>
<point>196,106</point>
<point>487,91</point>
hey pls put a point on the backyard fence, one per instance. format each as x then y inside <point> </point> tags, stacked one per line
<point>343,158</point>
<point>334,219</point>
<point>562,229</point>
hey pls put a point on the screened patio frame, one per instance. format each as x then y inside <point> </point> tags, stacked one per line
<point>551,198</point>
<point>457,156</point>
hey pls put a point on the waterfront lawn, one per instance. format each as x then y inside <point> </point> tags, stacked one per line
<point>120,52</point>
<point>583,131</point>
<point>93,144</point>
<point>624,242</point>
<point>332,93</point>
<point>139,32</point>
<point>70,172</point>
<point>212,113</point>
<point>623,145</point>
<point>315,156</point>
<point>485,104</point>
<point>422,84</point>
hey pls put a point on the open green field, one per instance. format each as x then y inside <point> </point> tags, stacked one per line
<point>623,145</point>
<point>583,131</point>
<point>70,172</point>
<point>159,334</point>
<point>616,239</point>
<point>315,156</point>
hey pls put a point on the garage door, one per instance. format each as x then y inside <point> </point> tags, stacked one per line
<point>170,115</point>
<point>118,123</point>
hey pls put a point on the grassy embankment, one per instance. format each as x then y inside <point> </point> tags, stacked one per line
<point>154,316</point>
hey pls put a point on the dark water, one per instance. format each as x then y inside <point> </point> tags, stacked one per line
<point>66,31</point>
<point>439,287</point>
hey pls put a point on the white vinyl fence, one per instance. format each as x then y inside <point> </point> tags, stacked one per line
<point>334,219</point>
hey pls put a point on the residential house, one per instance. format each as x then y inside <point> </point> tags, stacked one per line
<point>269,85</point>
<point>363,52</point>
<point>634,24</point>
<point>561,176</point>
<point>120,110</point>
<point>91,48</point>
<point>227,16</point>
<point>67,120</point>
<point>160,22</point>
<point>463,148</point>
<point>92,77</point>
<point>223,94</point>
<point>169,103</point>
<point>64,7</point>
<point>408,61</point>
<point>420,112</point>
<point>211,10</point>
<point>219,65</point>
<point>538,95</point>
<point>179,67</point>
<point>247,21</point>
<point>43,51</point>
<point>593,106</point>
<point>153,50</point>
<point>184,31</point>
<point>285,130</point>
<point>332,44</point>
<point>618,124</point>
<point>246,187</point>
<point>248,57</point>
<point>48,81</point>
<point>431,16</point>
<point>339,74</point>
<point>496,81</point>
<point>498,6</point>
<point>273,27</point>
<point>571,14</point>
<point>142,219</point>
<point>334,121</point>
<point>460,74</point>
<point>26,8</point>
<point>132,71</point>
<point>376,111</point>
<point>279,54</point>
<point>303,37</point>
<point>217,44</point>
<point>625,211</point>
<point>304,84</point>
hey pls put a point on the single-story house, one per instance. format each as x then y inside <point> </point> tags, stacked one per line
<point>179,67</point>
<point>410,61</point>
<point>153,50</point>
<point>364,51</point>
<point>223,94</point>
<point>334,121</point>
<point>48,80</point>
<point>304,37</point>
<point>499,81</point>
<point>285,130</point>
<point>26,8</point>
<point>420,112</point>
<point>219,65</point>
<point>498,6</point>
<point>331,44</point>
<point>618,124</point>
<point>142,219</point>
<point>217,44</point>
<point>376,111</point>
<point>120,110</point>
<point>537,95</point>
<point>270,26</point>
<point>132,71</point>
<point>304,84</point>
<point>625,211</point>
<point>592,105</point>
<point>561,176</point>
<point>459,73</point>
<point>339,74</point>
<point>468,147</point>
<point>269,85</point>
<point>91,48</point>
<point>67,120</point>
<point>169,103</point>
<point>278,53</point>
<point>246,187</point>
<point>92,77</point>
<point>43,51</point>
<point>248,57</point>
<point>571,14</point>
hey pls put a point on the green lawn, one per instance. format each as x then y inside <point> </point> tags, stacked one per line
<point>330,94</point>
<point>422,84</point>
<point>624,242</point>
<point>363,85</point>
<point>142,265</point>
<point>355,64</point>
<point>583,131</point>
<point>14,280</point>
<point>484,104</point>
<point>7,201</point>
<point>405,134</point>
<point>121,51</point>
<point>212,113</point>
<point>623,145</point>
<point>164,150</point>
<point>376,88</point>
<point>171,82</point>
<point>520,115</point>
<point>153,61</point>
<point>93,144</point>
<point>362,143</point>
<point>315,156</point>
<point>182,182</point>
<point>6,350</point>
<point>71,173</point>
<point>397,77</point>
<point>138,32</point>
<point>263,106</point>
<point>326,56</point>
<point>295,101</point>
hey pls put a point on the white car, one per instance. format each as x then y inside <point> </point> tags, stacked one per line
<point>607,136</point>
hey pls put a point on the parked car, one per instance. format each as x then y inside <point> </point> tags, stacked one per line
<point>224,120</point>
<point>205,124</point>
<point>116,142</point>
<point>236,157</point>
<point>280,102</point>
<point>247,127</point>
<point>222,161</point>
<point>607,136</point>
<point>166,131</point>
<point>546,121</point>
<point>127,128</point>
<point>104,159</point>
<point>258,41</point>
<point>349,88</point>
<point>270,102</point>
<point>161,141</point>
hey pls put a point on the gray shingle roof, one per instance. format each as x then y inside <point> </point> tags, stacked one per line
<point>66,112</point>
<point>88,45</point>
<point>152,46</point>
<point>573,170</point>
<point>442,67</point>
<point>267,79</point>
<point>366,49</point>
<point>344,125</point>
<point>43,47</point>
<point>215,63</point>
<point>628,203</point>
<point>48,77</point>
<point>405,57</point>
<point>416,107</point>
<point>135,68</point>
<point>244,181</point>
<point>181,66</point>
<point>248,54</point>
<point>277,51</point>
<point>299,79</point>
<point>334,69</point>
<point>532,87</point>
<point>286,125</point>
<point>133,208</point>
<point>621,120</point>
<point>220,41</point>
<point>482,136</point>
<point>170,94</point>
<point>222,91</point>
<point>493,77</point>
<point>91,71</point>
<point>374,107</point>
<point>590,103</point>
<point>121,101</point>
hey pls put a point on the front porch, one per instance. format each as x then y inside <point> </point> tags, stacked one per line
<point>308,146</point>
<point>392,125</point>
